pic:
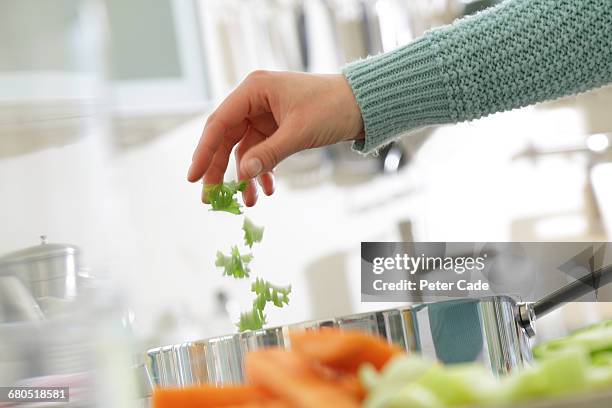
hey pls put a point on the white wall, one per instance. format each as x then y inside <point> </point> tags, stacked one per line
<point>53,181</point>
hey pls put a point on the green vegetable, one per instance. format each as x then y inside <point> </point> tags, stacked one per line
<point>221,197</point>
<point>418,382</point>
<point>566,373</point>
<point>406,369</point>
<point>596,341</point>
<point>581,362</point>
<point>369,377</point>
<point>253,320</point>
<point>461,384</point>
<point>388,388</point>
<point>252,233</point>
<point>414,396</point>
<point>267,292</point>
<point>235,265</point>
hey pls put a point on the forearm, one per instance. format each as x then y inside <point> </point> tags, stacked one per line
<point>517,54</point>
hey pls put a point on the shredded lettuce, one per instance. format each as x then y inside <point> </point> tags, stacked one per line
<point>581,362</point>
<point>566,373</point>
<point>595,340</point>
<point>414,396</point>
<point>268,293</point>
<point>252,320</point>
<point>395,385</point>
<point>265,293</point>
<point>252,233</point>
<point>235,264</point>
<point>221,197</point>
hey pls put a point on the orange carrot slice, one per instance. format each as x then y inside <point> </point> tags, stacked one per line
<point>343,350</point>
<point>291,378</point>
<point>346,381</point>
<point>351,385</point>
<point>207,397</point>
<point>264,404</point>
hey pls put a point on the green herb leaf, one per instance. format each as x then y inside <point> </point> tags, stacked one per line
<point>235,264</point>
<point>221,197</point>
<point>253,320</point>
<point>252,233</point>
<point>269,293</point>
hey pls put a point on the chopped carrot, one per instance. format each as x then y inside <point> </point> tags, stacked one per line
<point>351,385</point>
<point>205,396</point>
<point>263,404</point>
<point>347,381</point>
<point>343,350</point>
<point>291,377</point>
<point>319,371</point>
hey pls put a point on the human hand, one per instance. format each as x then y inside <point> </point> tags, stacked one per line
<point>270,116</point>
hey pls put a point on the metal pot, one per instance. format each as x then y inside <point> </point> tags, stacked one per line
<point>16,302</point>
<point>46,270</point>
<point>494,331</point>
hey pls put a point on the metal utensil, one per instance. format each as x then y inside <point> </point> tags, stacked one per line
<point>16,302</point>
<point>494,331</point>
<point>46,270</point>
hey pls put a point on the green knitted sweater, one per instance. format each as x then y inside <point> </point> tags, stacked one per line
<point>518,53</point>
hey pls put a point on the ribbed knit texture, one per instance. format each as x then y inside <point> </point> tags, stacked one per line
<point>516,54</point>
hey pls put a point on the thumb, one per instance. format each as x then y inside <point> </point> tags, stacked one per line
<point>264,156</point>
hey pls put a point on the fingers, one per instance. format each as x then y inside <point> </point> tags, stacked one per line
<point>265,123</point>
<point>214,174</point>
<point>263,157</point>
<point>211,139</point>
<point>251,138</point>
<point>266,181</point>
<point>247,100</point>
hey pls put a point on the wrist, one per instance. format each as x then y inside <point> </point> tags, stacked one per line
<point>353,120</point>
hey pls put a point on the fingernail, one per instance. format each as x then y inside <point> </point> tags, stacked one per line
<point>253,167</point>
<point>246,195</point>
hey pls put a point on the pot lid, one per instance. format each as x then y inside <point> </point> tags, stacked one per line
<point>37,252</point>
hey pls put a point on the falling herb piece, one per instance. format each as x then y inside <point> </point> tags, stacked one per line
<point>267,292</point>
<point>252,233</point>
<point>253,320</point>
<point>235,265</point>
<point>221,197</point>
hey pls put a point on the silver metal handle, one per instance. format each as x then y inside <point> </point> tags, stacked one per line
<point>573,291</point>
<point>529,312</point>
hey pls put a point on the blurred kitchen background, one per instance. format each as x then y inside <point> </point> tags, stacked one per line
<point>102,103</point>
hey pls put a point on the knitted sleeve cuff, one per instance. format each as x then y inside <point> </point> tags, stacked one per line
<point>398,92</point>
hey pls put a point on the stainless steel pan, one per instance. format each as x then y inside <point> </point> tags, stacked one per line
<point>494,331</point>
